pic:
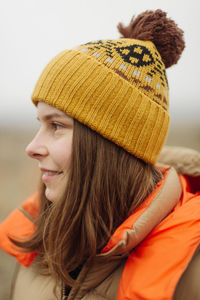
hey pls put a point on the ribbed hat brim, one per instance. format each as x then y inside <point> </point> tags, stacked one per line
<point>99,98</point>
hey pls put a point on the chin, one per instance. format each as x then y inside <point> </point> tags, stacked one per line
<point>50,195</point>
<point>53,195</point>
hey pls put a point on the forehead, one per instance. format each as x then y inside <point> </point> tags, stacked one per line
<point>45,110</point>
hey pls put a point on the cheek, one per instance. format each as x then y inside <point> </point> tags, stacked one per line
<point>63,154</point>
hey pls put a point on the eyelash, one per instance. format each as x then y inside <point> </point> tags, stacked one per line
<point>55,125</point>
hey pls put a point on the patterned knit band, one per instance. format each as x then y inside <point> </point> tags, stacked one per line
<point>118,88</point>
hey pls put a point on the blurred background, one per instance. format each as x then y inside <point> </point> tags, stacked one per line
<point>31,33</point>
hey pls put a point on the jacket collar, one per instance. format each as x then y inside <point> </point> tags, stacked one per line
<point>147,216</point>
<point>130,233</point>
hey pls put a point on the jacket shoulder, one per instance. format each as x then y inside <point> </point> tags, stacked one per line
<point>19,224</point>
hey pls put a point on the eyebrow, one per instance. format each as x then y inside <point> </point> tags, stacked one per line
<point>51,116</point>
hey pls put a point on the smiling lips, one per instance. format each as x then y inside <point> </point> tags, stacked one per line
<point>48,175</point>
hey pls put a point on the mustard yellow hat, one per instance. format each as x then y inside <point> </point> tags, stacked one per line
<point>118,87</point>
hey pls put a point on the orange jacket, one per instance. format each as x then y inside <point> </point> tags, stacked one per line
<point>18,225</point>
<point>155,266</point>
<point>156,262</point>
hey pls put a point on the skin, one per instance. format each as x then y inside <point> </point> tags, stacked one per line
<point>52,147</point>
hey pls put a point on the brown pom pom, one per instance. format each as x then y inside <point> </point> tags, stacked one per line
<point>163,32</point>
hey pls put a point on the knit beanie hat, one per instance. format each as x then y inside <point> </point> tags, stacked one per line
<point>119,88</point>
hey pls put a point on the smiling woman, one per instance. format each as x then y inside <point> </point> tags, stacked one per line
<point>52,147</point>
<point>107,219</point>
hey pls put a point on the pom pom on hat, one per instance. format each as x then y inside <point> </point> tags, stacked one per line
<point>119,87</point>
<point>162,31</point>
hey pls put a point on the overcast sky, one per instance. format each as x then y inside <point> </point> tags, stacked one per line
<point>33,31</point>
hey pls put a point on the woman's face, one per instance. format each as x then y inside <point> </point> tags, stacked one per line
<point>52,147</point>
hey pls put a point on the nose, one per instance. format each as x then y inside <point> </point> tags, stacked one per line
<point>36,148</point>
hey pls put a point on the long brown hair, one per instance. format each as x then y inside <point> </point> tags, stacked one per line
<point>104,187</point>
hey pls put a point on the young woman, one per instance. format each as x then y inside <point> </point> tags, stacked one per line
<point>107,223</point>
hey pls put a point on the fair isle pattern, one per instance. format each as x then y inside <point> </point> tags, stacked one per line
<point>114,106</point>
<point>136,61</point>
